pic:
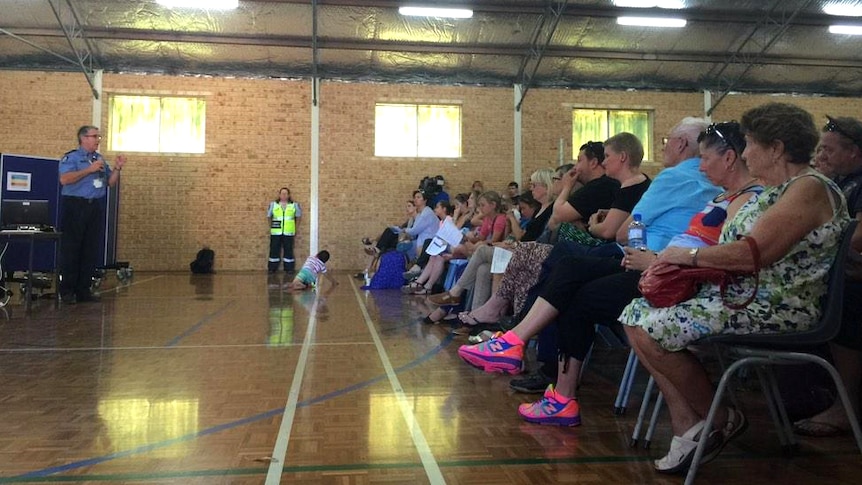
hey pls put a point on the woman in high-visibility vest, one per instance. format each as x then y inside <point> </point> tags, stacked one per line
<point>283,216</point>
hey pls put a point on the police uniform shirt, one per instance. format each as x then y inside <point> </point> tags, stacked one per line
<point>92,185</point>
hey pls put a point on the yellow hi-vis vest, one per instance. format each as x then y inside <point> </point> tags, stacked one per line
<point>283,220</point>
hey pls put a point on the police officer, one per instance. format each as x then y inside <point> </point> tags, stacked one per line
<point>84,177</point>
<point>283,214</point>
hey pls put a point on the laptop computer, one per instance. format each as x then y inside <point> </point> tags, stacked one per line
<point>25,215</point>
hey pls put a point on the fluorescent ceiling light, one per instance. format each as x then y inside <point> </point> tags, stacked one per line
<point>670,4</point>
<point>203,4</point>
<point>846,29</point>
<point>456,13</point>
<point>842,10</point>
<point>652,21</point>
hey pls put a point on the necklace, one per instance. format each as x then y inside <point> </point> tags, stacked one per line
<point>726,195</point>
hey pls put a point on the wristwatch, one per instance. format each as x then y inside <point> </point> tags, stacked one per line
<point>693,253</point>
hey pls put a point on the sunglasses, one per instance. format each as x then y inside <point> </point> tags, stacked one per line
<point>834,127</point>
<point>713,129</point>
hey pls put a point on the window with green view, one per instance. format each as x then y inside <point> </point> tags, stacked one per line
<point>601,124</point>
<point>157,124</point>
<point>415,130</point>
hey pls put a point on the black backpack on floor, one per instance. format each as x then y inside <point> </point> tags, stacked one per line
<point>203,262</point>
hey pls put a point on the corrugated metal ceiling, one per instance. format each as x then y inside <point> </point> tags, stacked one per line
<point>783,45</point>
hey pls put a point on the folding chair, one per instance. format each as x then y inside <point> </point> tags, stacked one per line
<point>782,349</point>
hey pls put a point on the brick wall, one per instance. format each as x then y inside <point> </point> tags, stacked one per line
<point>259,139</point>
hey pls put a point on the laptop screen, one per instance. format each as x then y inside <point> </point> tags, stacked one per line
<point>15,213</point>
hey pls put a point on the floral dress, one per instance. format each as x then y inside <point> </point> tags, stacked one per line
<point>788,298</point>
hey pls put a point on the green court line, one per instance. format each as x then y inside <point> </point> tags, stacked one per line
<point>261,471</point>
<point>321,468</point>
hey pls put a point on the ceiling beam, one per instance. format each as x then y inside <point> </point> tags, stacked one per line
<point>742,57</point>
<point>70,24</point>
<point>431,48</point>
<point>539,42</point>
<point>737,16</point>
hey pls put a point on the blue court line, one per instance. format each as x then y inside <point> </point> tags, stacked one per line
<point>223,427</point>
<point>194,328</point>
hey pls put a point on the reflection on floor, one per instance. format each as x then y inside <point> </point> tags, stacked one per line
<point>229,378</point>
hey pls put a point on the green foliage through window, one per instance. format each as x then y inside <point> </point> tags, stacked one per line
<point>411,130</point>
<point>601,124</point>
<point>157,124</point>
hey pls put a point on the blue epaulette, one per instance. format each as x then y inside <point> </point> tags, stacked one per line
<point>67,154</point>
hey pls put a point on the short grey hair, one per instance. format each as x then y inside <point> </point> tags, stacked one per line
<point>689,129</point>
<point>84,130</point>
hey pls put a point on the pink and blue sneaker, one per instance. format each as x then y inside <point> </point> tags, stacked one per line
<point>504,354</point>
<point>552,409</point>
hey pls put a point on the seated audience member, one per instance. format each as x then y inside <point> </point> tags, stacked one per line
<point>432,271</point>
<point>839,154</point>
<point>477,186</point>
<point>680,152</point>
<point>388,239</point>
<point>462,213</point>
<point>519,216</point>
<point>513,190</point>
<point>512,194</point>
<point>574,275</point>
<point>797,225</point>
<point>626,153</point>
<point>424,227</point>
<point>820,162</point>
<point>598,289</point>
<point>492,230</point>
<point>598,189</point>
<point>473,204</point>
<point>477,274</point>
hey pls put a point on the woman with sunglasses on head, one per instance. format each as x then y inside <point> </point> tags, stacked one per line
<point>796,223</point>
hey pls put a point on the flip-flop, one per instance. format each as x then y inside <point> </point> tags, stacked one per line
<point>817,429</point>
<point>469,320</point>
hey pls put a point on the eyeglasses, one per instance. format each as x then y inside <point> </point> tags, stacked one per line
<point>98,137</point>
<point>714,130</point>
<point>667,139</point>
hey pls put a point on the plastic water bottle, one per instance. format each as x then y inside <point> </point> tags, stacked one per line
<point>637,233</point>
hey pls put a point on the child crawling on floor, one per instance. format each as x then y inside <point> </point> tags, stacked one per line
<point>313,267</point>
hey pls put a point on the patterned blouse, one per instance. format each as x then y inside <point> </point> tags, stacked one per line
<point>788,298</point>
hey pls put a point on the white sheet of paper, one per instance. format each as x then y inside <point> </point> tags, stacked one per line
<point>500,260</point>
<point>450,233</point>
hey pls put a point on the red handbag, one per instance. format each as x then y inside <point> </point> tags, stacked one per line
<point>681,283</point>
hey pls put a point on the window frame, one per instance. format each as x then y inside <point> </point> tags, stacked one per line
<point>650,144</point>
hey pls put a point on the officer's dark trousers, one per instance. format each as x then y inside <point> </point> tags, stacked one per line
<point>276,243</point>
<point>81,224</point>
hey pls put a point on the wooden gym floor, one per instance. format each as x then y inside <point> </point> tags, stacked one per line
<point>223,379</point>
